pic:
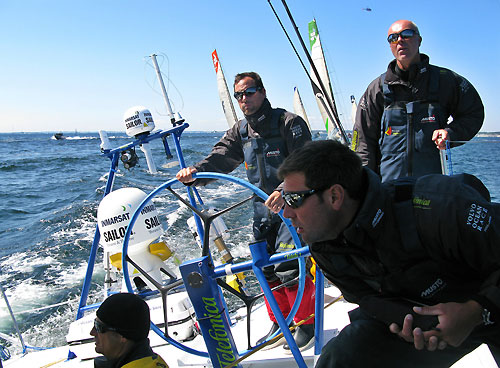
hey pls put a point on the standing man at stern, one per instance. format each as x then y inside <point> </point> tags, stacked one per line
<point>402,119</point>
<point>420,256</point>
<point>263,139</point>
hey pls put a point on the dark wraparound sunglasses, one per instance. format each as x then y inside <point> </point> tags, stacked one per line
<point>296,199</point>
<point>101,327</point>
<point>405,34</point>
<point>248,92</point>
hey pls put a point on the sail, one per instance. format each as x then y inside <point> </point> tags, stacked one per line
<point>298,107</point>
<point>318,58</point>
<point>225,97</point>
<point>354,108</point>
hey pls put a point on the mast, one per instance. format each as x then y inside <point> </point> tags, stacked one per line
<point>164,91</point>
<point>224,95</point>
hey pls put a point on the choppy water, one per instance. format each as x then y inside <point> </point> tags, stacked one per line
<point>48,201</point>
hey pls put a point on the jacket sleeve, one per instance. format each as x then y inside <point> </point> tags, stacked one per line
<point>226,155</point>
<point>465,107</point>
<point>296,133</point>
<point>464,230</point>
<point>366,131</point>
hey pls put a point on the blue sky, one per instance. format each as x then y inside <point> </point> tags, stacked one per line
<point>79,65</point>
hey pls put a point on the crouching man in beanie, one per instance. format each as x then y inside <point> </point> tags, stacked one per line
<point>121,331</point>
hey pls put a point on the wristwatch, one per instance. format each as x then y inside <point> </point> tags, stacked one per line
<point>486,317</point>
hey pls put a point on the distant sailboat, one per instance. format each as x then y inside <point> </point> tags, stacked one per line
<point>318,58</point>
<point>326,104</point>
<point>225,97</point>
<point>298,106</point>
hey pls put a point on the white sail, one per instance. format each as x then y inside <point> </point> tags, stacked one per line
<point>329,115</point>
<point>298,106</point>
<point>225,97</point>
<point>354,108</point>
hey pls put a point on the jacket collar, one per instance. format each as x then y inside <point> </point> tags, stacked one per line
<point>259,121</point>
<point>416,70</point>
<point>370,216</point>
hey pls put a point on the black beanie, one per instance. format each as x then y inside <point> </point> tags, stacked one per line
<point>127,313</point>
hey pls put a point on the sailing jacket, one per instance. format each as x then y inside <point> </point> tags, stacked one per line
<point>263,141</point>
<point>397,116</point>
<point>140,356</point>
<point>437,243</point>
<point>228,153</point>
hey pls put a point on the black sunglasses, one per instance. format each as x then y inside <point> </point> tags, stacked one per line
<point>405,34</point>
<point>296,199</point>
<point>248,92</point>
<point>101,327</point>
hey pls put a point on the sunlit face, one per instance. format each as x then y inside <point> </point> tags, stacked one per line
<point>406,51</point>
<point>249,104</point>
<point>109,344</point>
<point>315,219</point>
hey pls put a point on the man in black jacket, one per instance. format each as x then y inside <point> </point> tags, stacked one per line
<point>420,256</point>
<point>402,118</point>
<point>263,139</point>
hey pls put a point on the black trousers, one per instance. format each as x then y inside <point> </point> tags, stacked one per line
<point>369,343</point>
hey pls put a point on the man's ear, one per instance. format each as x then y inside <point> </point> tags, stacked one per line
<point>337,194</point>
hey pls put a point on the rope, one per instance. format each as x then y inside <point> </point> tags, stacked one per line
<point>276,338</point>
<point>53,363</point>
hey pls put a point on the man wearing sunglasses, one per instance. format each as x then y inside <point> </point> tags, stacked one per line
<point>402,119</point>
<point>262,140</point>
<point>121,329</point>
<point>419,255</point>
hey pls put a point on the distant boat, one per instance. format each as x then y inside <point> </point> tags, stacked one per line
<point>225,96</point>
<point>298,106</point>
<point>59,136</point>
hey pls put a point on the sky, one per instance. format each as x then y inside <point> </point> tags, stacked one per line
<point>80,64</point>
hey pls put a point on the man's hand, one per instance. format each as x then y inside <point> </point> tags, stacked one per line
<point>185,175</point>
<point>456,322</point>
<point>440,136</point>
<point>275,201</point>
<point>429,340</point>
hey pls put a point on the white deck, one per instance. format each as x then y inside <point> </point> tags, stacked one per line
<point>335,319</point>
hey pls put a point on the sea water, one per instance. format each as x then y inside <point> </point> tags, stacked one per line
<point>49,194</point>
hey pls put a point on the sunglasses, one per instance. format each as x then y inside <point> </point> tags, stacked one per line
<point>296,199</point>
<point>248,92</point>
<point>101,327</point>
<point>405,34</point>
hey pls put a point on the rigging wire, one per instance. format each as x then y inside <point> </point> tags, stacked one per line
<point>317,90</point>
<point>165,76</point>
<point>291,42</point>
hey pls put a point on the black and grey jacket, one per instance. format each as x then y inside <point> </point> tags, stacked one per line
<point>399,112</point>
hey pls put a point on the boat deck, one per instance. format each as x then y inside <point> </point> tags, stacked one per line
<point>336,318</point>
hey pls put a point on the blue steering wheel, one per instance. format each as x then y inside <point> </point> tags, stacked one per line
<point>243,183</point>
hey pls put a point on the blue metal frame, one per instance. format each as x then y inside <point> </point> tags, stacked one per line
<point>114,155</point>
